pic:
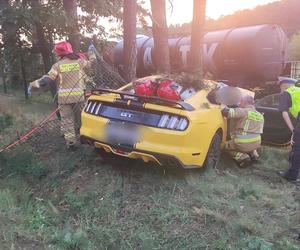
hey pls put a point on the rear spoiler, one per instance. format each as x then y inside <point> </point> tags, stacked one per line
<point>142,99</point>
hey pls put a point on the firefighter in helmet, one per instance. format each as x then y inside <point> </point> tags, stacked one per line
<point>69,74</point>
<point>247,127</point>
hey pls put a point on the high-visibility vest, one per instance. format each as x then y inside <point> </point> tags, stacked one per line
<point>295,97</point>
<point>71,79</point>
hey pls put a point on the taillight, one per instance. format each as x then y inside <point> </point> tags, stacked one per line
<point>92,107</point>
<point>173,122</point>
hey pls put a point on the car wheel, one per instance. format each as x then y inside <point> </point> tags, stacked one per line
<point>214,152</point>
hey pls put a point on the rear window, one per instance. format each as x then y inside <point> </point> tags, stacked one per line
<point>227,95</point>
<point>270,101</point>
<point>185,93</point>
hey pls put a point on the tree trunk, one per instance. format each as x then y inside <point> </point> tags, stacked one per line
<point>23,72</point>
<point>42,43</point>
<point>70,7</point>
<point>10,52</point>
<point>160,36</point>
<point>3,81</point>
<point>43,47</point>
<point>195,55</point>
<point>129,36</point>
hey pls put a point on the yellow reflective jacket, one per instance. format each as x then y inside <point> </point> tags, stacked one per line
<point>71,77</point>
<point>295,97</point>
<point>247,124</point>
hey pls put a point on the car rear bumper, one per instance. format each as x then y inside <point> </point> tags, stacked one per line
<point>134,153</point>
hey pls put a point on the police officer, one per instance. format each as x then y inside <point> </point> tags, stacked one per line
<point>247,127</point>
<point>69,73</point>
<point>289,105</point>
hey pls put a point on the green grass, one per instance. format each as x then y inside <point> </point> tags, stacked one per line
<point>54,199</point>
<point>6,120</point>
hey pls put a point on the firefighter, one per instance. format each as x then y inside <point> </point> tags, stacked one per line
<point>247,127</point>
<point>289,105</point>
<point>69,73</point>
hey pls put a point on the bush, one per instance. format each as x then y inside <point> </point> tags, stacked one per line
<point>21,162</point>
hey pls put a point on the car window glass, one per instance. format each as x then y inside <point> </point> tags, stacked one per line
<point>227,95</point>
<point>270,101</point>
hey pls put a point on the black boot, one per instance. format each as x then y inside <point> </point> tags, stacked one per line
<point>245,163</point>
<point>285,175</point>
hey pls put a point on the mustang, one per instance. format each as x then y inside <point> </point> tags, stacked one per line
<point>187,133</point>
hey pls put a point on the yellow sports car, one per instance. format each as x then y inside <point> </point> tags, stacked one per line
<point>188,132</point>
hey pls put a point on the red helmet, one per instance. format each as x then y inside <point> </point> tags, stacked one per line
<point>169,90</point>
<point>63,49</point>
<point>147,88</point>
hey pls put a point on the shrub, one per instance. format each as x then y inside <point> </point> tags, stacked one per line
<point>21,162</point>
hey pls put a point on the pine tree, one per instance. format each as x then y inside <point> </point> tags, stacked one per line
<point>195,56</point>
<point>129,37</point>
<point>160,36</point>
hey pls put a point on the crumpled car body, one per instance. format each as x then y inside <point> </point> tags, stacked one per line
<point>153,129</point>
<point>187,134</point>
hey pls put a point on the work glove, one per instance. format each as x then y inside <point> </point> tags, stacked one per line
<point>91,47</point>
<point>92,55</point>
<point>29,90</point>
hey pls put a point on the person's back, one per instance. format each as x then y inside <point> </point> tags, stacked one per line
<point>70,76</point>
<point>69,73</point>
<point>247,127</point>
<point>247,121</point>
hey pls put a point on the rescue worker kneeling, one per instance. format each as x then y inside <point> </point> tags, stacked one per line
<point>69,73</point>
<point>247,127</point>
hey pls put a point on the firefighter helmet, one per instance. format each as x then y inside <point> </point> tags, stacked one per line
<point>147,88</point>
<point>63,48</point>
<point>170,90</point>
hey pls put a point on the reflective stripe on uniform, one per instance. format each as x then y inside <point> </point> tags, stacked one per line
<point>255,116</point>
<point>68,67</point>
<point>231,113</point>
<point>246,127</point>
<point>247,138</point>
<point>73,93</point>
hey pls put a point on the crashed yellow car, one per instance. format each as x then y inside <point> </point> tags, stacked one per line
<point>188,133</point>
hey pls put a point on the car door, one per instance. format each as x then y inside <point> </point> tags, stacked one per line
<point>275,129</point>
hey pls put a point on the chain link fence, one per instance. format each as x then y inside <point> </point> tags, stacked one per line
<point>99,75</point>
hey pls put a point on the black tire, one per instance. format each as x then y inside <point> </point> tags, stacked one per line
<point>214,152</point>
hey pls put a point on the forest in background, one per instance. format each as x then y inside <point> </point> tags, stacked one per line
<point>29,29</point>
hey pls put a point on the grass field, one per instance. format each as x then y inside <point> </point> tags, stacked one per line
<point>54,199</point>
